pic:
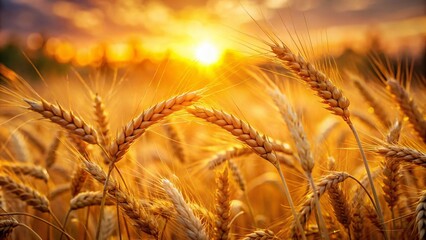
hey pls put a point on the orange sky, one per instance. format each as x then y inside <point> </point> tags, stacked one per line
<point>161,26</point>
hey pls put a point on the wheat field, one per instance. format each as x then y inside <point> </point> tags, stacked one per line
<point>291,148</point>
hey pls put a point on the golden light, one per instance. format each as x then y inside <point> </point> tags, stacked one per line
<point>119,53</point>
<point>207,53</point>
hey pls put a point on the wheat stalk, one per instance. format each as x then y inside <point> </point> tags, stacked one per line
<point>192,226</point>
<point>135,128</point>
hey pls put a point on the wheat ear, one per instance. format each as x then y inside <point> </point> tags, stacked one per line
<point>421,216</point>
<point>391,172</point>
<point>65,119</point>
<point>318,81</point>
<point>101,120</point>
<point>223,211</point>
<point>408,107</point>
<point>86,199</point>
<point>130,206</point>
<point>340,205</point>
<point>50,158</point>
<point>379,111</point>
<point>175,141</point>
<point>331,95</point>
<point>222,157</point>
<point>192,225</point>
<point>135,128</point>
<point>261,234</point>
<point>243,131</point>
<point>243,151</point>
<point>77,180</point>
<point>6,227</point>
<point>399,153</point>
<point>322,186</point>
<point>27,170</point>
<point>295,127</point>
<point>248,135</point>
<point>25,193</point>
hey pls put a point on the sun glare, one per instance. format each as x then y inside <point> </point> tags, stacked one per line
<point>207,53</point>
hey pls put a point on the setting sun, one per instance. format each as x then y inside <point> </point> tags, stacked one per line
<point>206,53</point>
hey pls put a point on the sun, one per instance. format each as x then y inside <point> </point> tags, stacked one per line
<point>206,53</point>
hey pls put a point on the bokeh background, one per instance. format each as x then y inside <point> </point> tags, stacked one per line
<point>96,33</point>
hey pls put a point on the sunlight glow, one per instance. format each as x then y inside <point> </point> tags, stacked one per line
<point>207,53</point>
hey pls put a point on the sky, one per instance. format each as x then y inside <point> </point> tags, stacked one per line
<point>160,25</point>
